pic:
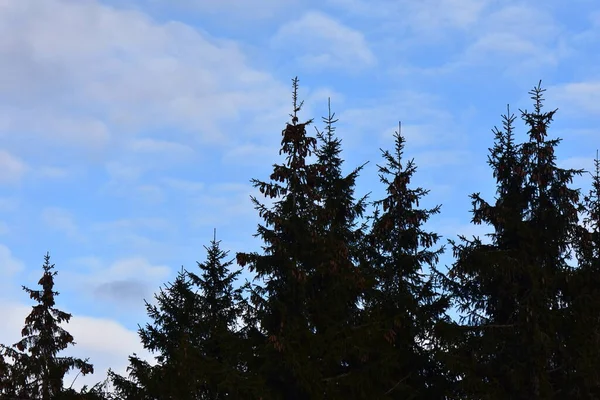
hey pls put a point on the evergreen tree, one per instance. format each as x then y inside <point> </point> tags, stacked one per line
<point>222,346</point>
<point>304,331</point>
<point>338,281</point>
<point>173,319</point>
<point>192,334</point>
<point>36,370</point>
<point>511,292</point>
<point>583,324</point>
<point>484,278</point>
<point>403,308</point>
<point>279,327</point>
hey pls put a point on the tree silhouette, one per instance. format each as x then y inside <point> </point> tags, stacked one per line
<point>36,370</point>
<point>193,336</point>
<point>512,291</point>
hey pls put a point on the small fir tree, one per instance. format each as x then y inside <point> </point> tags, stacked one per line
<point>36,370</point>
<point>193,336</point>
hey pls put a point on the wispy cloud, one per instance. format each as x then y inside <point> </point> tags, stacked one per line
<point>9,265</point>
<point>320,41</point>
<point>61,220</point>
<point>12,168</point>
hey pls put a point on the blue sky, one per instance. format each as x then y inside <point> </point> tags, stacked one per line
<point>130,129</point>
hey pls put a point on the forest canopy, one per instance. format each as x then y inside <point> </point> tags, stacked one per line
<point>349,300</point>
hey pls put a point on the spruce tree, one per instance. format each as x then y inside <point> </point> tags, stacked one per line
<point>583,324</point>
<point>222,346</point>
<point>193,336</point>
<point>173,319</point>
<point>306,331</point>
<point>338,281</point>
<point>511,292</point>
<point>35,369</point>
<point>484,278</point>
<point>403,308</point>
<point>279,327</point>
<point>553,226</point>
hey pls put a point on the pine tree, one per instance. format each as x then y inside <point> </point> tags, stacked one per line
<point>222,347</point>
<point>583,323</point>
<point>278,327</point>
<point>36,370</point>
<point>511,292</point>
<point>403,307</point>
<point>173,318</point>
<point>484,278</point>
<point>338,281</point>
<point>192,334</point>
<point>553,223</point>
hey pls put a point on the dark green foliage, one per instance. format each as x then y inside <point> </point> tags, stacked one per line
<point>338,282</point>
<point>343,308</point>
<point>192,334</point>
<point>511,291</point>
<point>281,333</point>
<point>221,342</point>
<point>35,369</point>
<point>306,311</point>
<point>403,308</point>
<point>583,319</point>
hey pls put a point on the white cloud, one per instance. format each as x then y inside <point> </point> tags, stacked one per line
<point>136,267</point>
<point>104,341</point>
<point>441,158</point>
<point>150,194</point>
<point>12,168</point>
<point>325,42</point>
<point>424,18</point>
<point>183,185</point>
<point>61,220</point>
<point>126,281</point>
<point>436,15</point>
<point>586,163</point>
<point>9,265</point>
<point>108,345</point>
<point>8,204</point>
<point>94,75</point>
<point>151,223</point>
<point>423,120</point>
<point>247,10</point>
<point>52,172</point>
<point>154,146</point>
<point>251,154</point>
<point>120,171</point>
<point>577,97</point>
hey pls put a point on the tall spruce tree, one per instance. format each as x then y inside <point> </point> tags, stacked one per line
<point>583,329</point>
<point>484,279</point>
<point>193,336</point>
<point>35,370</point>
<point>511,292</point>
<point>403,307</point>
<point>338,281</point>
<point>553,226</point>
<point>279,327</point>
<point>305,308</point>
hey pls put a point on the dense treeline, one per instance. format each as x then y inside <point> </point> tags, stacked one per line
<point>352,304</point>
